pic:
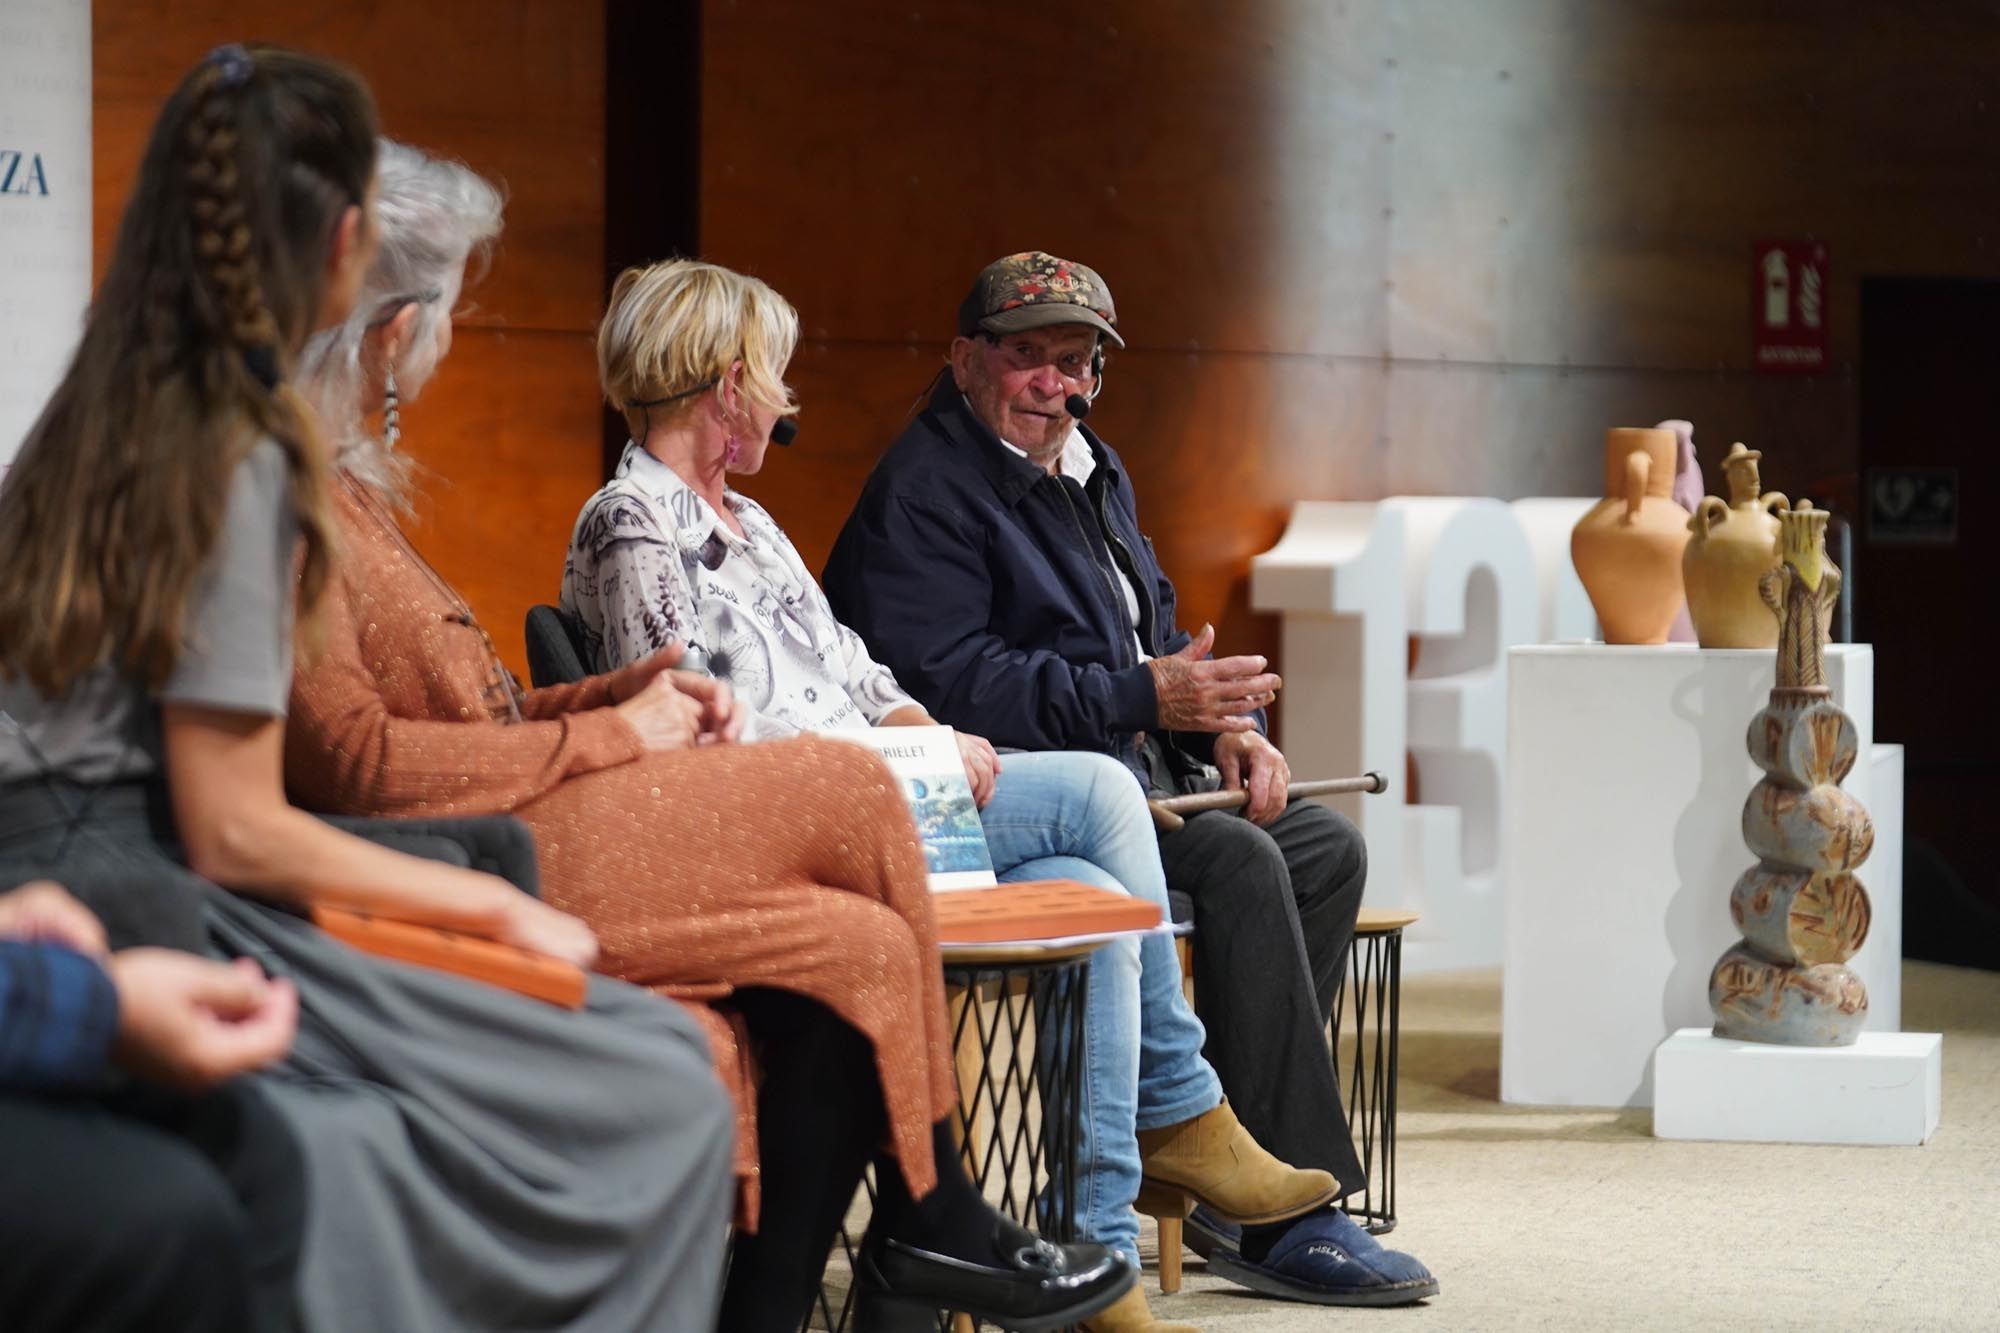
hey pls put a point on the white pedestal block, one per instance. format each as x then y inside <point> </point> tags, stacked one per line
<point>1626,778</point>
<point>1884,1089</point>
<point>1882,873</point>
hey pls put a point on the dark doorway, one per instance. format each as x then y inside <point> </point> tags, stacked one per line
<point>652,145</point>
<point>1929,412</point>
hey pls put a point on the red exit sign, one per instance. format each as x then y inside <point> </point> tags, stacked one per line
<point>1788,306</point>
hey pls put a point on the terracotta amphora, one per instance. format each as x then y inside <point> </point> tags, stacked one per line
<point>1627,549</point>
<point>1733,546</point>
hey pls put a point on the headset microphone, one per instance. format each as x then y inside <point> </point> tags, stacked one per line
<point>1077,405</point>
<point>784,430</point>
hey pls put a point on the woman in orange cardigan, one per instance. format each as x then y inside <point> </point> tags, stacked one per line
<point>779,888</point>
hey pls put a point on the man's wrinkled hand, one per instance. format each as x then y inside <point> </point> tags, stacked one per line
<point>1200,693</point>
<point>1248,759</point>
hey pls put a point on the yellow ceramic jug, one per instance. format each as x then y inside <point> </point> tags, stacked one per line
<point>1732,547</point>
<point>1627,549</point>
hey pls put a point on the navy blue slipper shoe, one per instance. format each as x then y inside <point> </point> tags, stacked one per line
<point>1205,1232</point>
<point>1327,1258</point>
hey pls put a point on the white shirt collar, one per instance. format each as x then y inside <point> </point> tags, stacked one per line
<point>695,521</point>
<point>1076,461</point>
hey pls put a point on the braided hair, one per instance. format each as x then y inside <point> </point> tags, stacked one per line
<point>221,223</point>
<point>115,501</point>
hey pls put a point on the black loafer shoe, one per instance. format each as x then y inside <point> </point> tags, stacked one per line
<point>1039,1285</point>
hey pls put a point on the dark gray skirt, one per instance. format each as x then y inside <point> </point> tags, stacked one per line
<point>478,1160</point>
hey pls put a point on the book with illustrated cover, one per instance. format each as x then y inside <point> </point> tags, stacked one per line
<point>925,760</point>
<point>1038,912</point>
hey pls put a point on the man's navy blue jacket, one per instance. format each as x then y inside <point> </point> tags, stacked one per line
<point>987,586</point>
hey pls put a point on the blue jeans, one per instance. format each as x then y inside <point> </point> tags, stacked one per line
<point>1072,815</point>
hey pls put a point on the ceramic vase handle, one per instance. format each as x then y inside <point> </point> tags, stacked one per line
<point>1774,501</point>
<point>1638,471</point>
<point>1711,511</point>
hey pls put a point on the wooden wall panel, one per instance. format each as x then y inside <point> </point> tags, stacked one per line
<point>507,441</point>
<point>517,92</point>
<point>868,160</point>
<point>1360,247</point>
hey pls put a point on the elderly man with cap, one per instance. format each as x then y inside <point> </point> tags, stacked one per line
<point>996,564</point>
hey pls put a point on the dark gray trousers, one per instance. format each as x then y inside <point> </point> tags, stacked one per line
<point>1273,911</point>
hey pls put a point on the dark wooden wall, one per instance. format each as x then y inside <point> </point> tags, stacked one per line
<point>510,427</point>
<point>1359,247</point>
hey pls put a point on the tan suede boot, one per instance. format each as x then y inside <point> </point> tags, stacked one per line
<point>1130,1315</point>
<point>1212,1160</point>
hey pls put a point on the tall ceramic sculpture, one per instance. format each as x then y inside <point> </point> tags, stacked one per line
<point>1802,911</point>
<point>1734,546</point>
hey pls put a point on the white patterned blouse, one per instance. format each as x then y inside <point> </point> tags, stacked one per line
<point>650,563</point>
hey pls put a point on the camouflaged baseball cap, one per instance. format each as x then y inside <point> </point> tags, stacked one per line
<point>1033,290</point>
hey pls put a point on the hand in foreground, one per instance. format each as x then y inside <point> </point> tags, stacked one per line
<point>1198,693</point>
<point>665,716</point>
<point>722,714</point>
<point>42,911</point>
<point>1247,758</point>
<point>982,765</point>
<point>189,1022</point>
<point>633,677</point>
<point>531,924</point>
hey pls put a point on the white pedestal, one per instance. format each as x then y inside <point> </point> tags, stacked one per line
<point>1881,770</point>
<point>1884,1089</point>
<point>1626,777</point>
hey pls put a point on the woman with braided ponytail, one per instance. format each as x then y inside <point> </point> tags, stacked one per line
<point>476,1159</point>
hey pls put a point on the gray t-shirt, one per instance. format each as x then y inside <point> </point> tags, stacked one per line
<point>236,651</point>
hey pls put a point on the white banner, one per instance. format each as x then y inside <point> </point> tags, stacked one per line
<point>44,202</point>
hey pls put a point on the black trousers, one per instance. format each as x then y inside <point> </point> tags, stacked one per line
<point>146,1210</point>
<point>819,1119</point>
<point>1274,913</point>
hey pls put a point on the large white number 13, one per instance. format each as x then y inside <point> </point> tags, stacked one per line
<point>1397,619</point>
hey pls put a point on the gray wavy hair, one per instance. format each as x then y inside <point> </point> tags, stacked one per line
<point>434,215</point>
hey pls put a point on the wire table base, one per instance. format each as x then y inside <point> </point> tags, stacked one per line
<point>1366,1059</point>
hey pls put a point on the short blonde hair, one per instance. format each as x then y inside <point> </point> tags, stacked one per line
<point>675,327</point>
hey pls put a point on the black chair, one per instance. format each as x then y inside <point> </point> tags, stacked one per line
<point>555,647</point>
<point>498,844</point>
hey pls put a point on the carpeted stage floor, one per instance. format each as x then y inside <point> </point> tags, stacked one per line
<point>1568,1219</point>
<point>1559,1219</point>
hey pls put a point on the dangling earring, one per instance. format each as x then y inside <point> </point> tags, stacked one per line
<point>730,451</point>
<point>392,425</point>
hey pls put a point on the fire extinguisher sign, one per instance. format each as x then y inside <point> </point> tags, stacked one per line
<point>1788,281</point>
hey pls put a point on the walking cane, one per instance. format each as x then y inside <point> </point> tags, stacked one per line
<point>1170,812</point>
